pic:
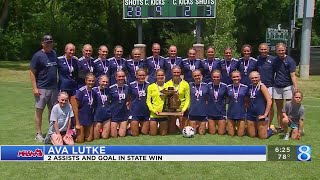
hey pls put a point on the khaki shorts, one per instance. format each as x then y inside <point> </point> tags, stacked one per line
<point>47,97</point>
<point>283,93</point>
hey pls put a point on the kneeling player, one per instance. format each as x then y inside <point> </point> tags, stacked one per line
<point>259,108</point>
<point>119,106</point>
<point>293,116</point>
<point>217,104</point>
<point>139,111</point>
<point>155,102</point>
<point>60,122</point>
<point>237,93</point>
<point>86,100</point>
<point>198,106</point>
<point>102,111</point>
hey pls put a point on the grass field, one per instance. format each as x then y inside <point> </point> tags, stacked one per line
<point>17,128</point>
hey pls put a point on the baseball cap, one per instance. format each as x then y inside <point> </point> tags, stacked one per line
<point>47,38</point>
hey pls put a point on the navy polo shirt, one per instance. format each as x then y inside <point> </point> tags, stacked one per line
<point>283,68</point>
<point>45,65</point>
<point>266,69</point>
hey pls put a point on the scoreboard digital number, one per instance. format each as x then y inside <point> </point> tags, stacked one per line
<point>168,9</point>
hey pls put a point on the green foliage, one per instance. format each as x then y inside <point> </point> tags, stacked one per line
<point>316,26</point>
<point>219,32</point>
<point>100,22</point>
<point>183,42</point>
<point>315,41</point>
<point>161,31</point>
<point>255,16</point>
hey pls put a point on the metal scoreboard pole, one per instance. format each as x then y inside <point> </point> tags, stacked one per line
<point>198,31</point>
<point>139,24</point>
<point>199,47</point>
<point>307,6</point>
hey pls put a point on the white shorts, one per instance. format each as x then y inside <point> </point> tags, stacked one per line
<point>270,90</point>
<point>283,93</point>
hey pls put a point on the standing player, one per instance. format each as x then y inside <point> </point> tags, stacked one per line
<point>258,109</point>
<point>247,64</point>
<point>43,75</point>
<point>209,65</point>
<point>198,110</point>
<point>183,90</point>
<point>155,62</point>
<point>228,65</point>
<point>293,116</point>
<point>139,111</point>
<point>102,112</point>
<point>116,63</point>
<point>266,70</point>
<point>86,99</point>
<point>132,65</point>
<point>217,104</point>
<point>190,64</point>
<point>238,101</point>
<point>85,64</point>
<point>119,105</point>
<point>68,74</point>
<point>172,60</point>
<point>60,122</point>
<point>285,81</point>
<point>155,102</point>
<point>101,64</point>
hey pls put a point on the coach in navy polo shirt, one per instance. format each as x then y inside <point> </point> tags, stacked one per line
<point>43,75</point>
<point>285,80</point>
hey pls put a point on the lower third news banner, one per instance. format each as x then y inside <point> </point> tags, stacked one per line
<point>133,153</point>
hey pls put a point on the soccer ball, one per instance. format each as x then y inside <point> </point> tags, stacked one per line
<point>188,132</point>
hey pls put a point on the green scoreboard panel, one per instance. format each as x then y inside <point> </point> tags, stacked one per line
<point>168,9</point>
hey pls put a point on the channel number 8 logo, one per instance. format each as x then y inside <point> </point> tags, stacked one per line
<point>304,153</point>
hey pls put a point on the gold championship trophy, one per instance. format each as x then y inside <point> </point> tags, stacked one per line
<point>171,103</point>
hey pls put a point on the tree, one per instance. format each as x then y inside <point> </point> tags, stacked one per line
<point>219,32</point>
<point>316,25</point>
<point>255,16</point>
<point>4,9</point>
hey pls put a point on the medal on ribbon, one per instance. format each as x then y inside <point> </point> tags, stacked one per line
<point>90,98</point>
<point>253,91</point>
<point>198,92</point>
<point>246,66</point>
<point>70,67</point>
<point>236,94</point>
<point>216,93</point>
<point>142,92</point>
<point>227,67</point>
<point>156,65</point>
<point>121,95</point>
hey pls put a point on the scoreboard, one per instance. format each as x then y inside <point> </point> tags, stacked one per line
<point>168,9</point>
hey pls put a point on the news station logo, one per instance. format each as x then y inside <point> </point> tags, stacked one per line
<point>22,153</point>
<point>30,153</point>
<point>304,153</point>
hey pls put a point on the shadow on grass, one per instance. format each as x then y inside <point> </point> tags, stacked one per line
<point>15,65</point>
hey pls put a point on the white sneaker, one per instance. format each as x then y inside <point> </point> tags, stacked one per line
<point>286,137</point>
<point>39,138</point>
